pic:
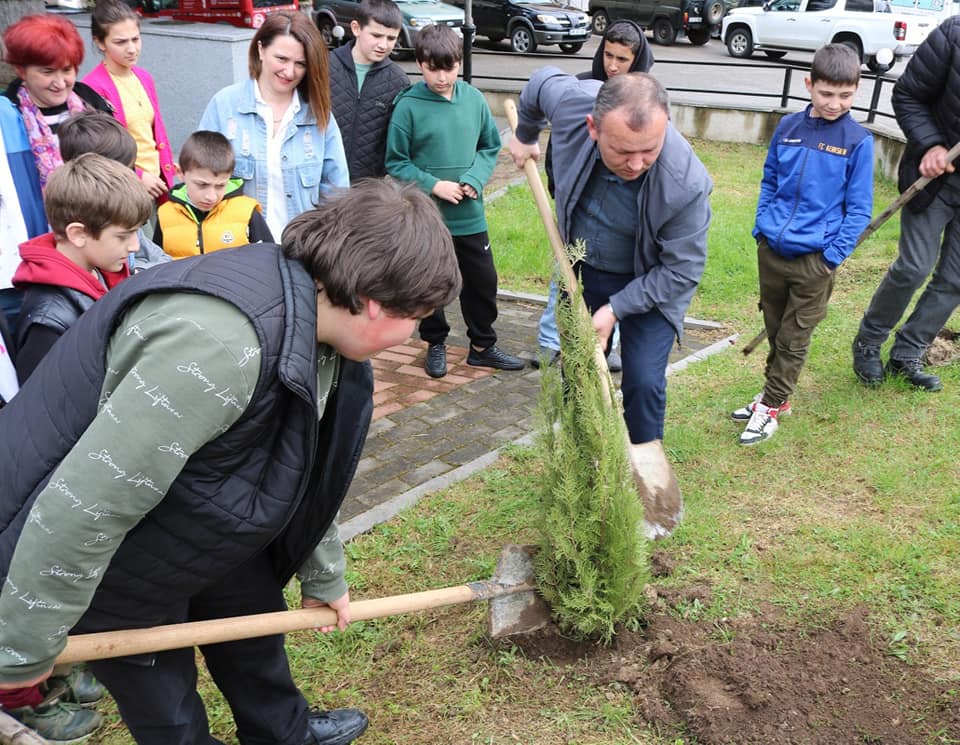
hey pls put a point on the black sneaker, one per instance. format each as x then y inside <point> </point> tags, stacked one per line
<point>494,357</point>
<point>546,358</point>
<point>335,727</point>
<point>77,686</point>
<point>436,362</point>
<point>866,363</point>
<point>912,372</point>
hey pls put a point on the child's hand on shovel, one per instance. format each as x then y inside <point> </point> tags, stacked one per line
<point>340,605</point>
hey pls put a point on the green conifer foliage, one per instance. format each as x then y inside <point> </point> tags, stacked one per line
<point>593,561</point>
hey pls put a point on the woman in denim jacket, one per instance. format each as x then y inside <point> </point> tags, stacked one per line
<point>284,156</point>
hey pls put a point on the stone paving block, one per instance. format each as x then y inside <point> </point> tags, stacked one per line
<point>379,428</point>
<point>387,409</point>
<point>468,453</point>
<point>427,471</point>
<point>387,470</point>
<point>441,413</point>
<point>509,434</point>
<point>416,397</point>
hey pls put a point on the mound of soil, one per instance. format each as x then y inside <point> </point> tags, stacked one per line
<point>758,680</point>
<point>944,349</point>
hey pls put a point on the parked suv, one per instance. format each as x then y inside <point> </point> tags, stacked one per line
<point>697,18</point>
<point>328,14</point>
<point>529,23</point>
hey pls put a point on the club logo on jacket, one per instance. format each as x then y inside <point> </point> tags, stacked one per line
<point>227,238</point>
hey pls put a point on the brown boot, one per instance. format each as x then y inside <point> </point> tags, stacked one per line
<point>662,500</point>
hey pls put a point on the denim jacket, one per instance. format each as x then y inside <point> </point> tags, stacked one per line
<point>313,159</point>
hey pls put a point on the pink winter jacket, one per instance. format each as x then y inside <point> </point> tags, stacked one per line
<point>99,79</point>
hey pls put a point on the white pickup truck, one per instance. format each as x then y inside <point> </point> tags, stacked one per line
<point>782,26</point>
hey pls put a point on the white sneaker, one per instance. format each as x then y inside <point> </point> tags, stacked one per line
<point>744,413</point>
<point>762,425</point>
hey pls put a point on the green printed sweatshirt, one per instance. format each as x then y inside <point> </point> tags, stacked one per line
<point>432,139</point>
<point>208,353</point>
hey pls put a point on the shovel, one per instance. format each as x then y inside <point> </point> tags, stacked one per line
<point>515,608</point>
<point>652,472</point>
<point>915,188</point>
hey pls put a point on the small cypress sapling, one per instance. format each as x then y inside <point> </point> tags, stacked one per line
<point>593,560</point>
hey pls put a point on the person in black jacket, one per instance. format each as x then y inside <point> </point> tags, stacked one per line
<point>190,441</point>
<point>363,84</point>
<point>926,101</point>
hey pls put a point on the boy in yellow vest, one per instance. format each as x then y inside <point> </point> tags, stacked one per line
<point>208,210</point>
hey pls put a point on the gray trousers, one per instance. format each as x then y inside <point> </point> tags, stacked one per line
<point>919,248</point>
<point>794,294</point>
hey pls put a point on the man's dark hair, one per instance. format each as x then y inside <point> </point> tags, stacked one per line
<point>384,12</point>
<point>638,93</point>
<point>382,240</point>
<point>623,32</point>
<point>438,46</point>
<point>835,63</point>
<point>206,149</point>
<point>96,132</point>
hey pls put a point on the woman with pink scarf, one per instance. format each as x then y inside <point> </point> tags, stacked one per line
<point>45,51</point>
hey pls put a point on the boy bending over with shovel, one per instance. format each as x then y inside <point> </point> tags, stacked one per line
<point>183,450</point>
<point>630,186</point>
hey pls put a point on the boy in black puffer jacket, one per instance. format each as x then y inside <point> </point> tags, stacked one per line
<point>363,84</point>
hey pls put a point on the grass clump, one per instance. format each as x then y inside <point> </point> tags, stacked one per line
<point>593,562</point>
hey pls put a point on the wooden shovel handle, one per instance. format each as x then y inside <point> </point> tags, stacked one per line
<point>543,204</point>
<point>108,644</point>
<point>556,242</point>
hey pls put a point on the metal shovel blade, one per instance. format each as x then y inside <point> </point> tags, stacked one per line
<point>523,610</point>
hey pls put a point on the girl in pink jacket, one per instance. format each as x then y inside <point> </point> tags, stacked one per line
<point>131,92</point>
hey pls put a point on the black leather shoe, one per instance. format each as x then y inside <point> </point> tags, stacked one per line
<point>546,358</point>
<point>866,363</point>
<point>335,727</point>
<point>436,364</point>
<point>494,357</point>
<point>912,372</point>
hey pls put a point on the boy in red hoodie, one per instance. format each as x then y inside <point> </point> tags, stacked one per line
<point>95,207</point>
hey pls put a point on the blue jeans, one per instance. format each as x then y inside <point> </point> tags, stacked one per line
<point>645,344</point>
<point>548,336</point>
<point>919,250</point>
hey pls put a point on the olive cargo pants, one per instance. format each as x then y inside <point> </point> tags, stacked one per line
<point>794,294</point>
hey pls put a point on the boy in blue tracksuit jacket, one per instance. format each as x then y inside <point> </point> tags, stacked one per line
<point>816,198</point>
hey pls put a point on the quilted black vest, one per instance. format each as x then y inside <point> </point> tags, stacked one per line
<point>273,482</point>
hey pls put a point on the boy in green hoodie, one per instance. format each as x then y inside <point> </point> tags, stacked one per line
<point>208,211</point>
<point>442,137</point>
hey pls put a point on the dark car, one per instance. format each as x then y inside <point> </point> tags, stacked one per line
<point>698,19</point>
<point>529,23</point>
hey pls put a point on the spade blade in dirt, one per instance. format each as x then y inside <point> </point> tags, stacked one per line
<point>521,611</point>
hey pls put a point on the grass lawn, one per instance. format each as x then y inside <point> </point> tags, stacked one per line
<point>850,511</point>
